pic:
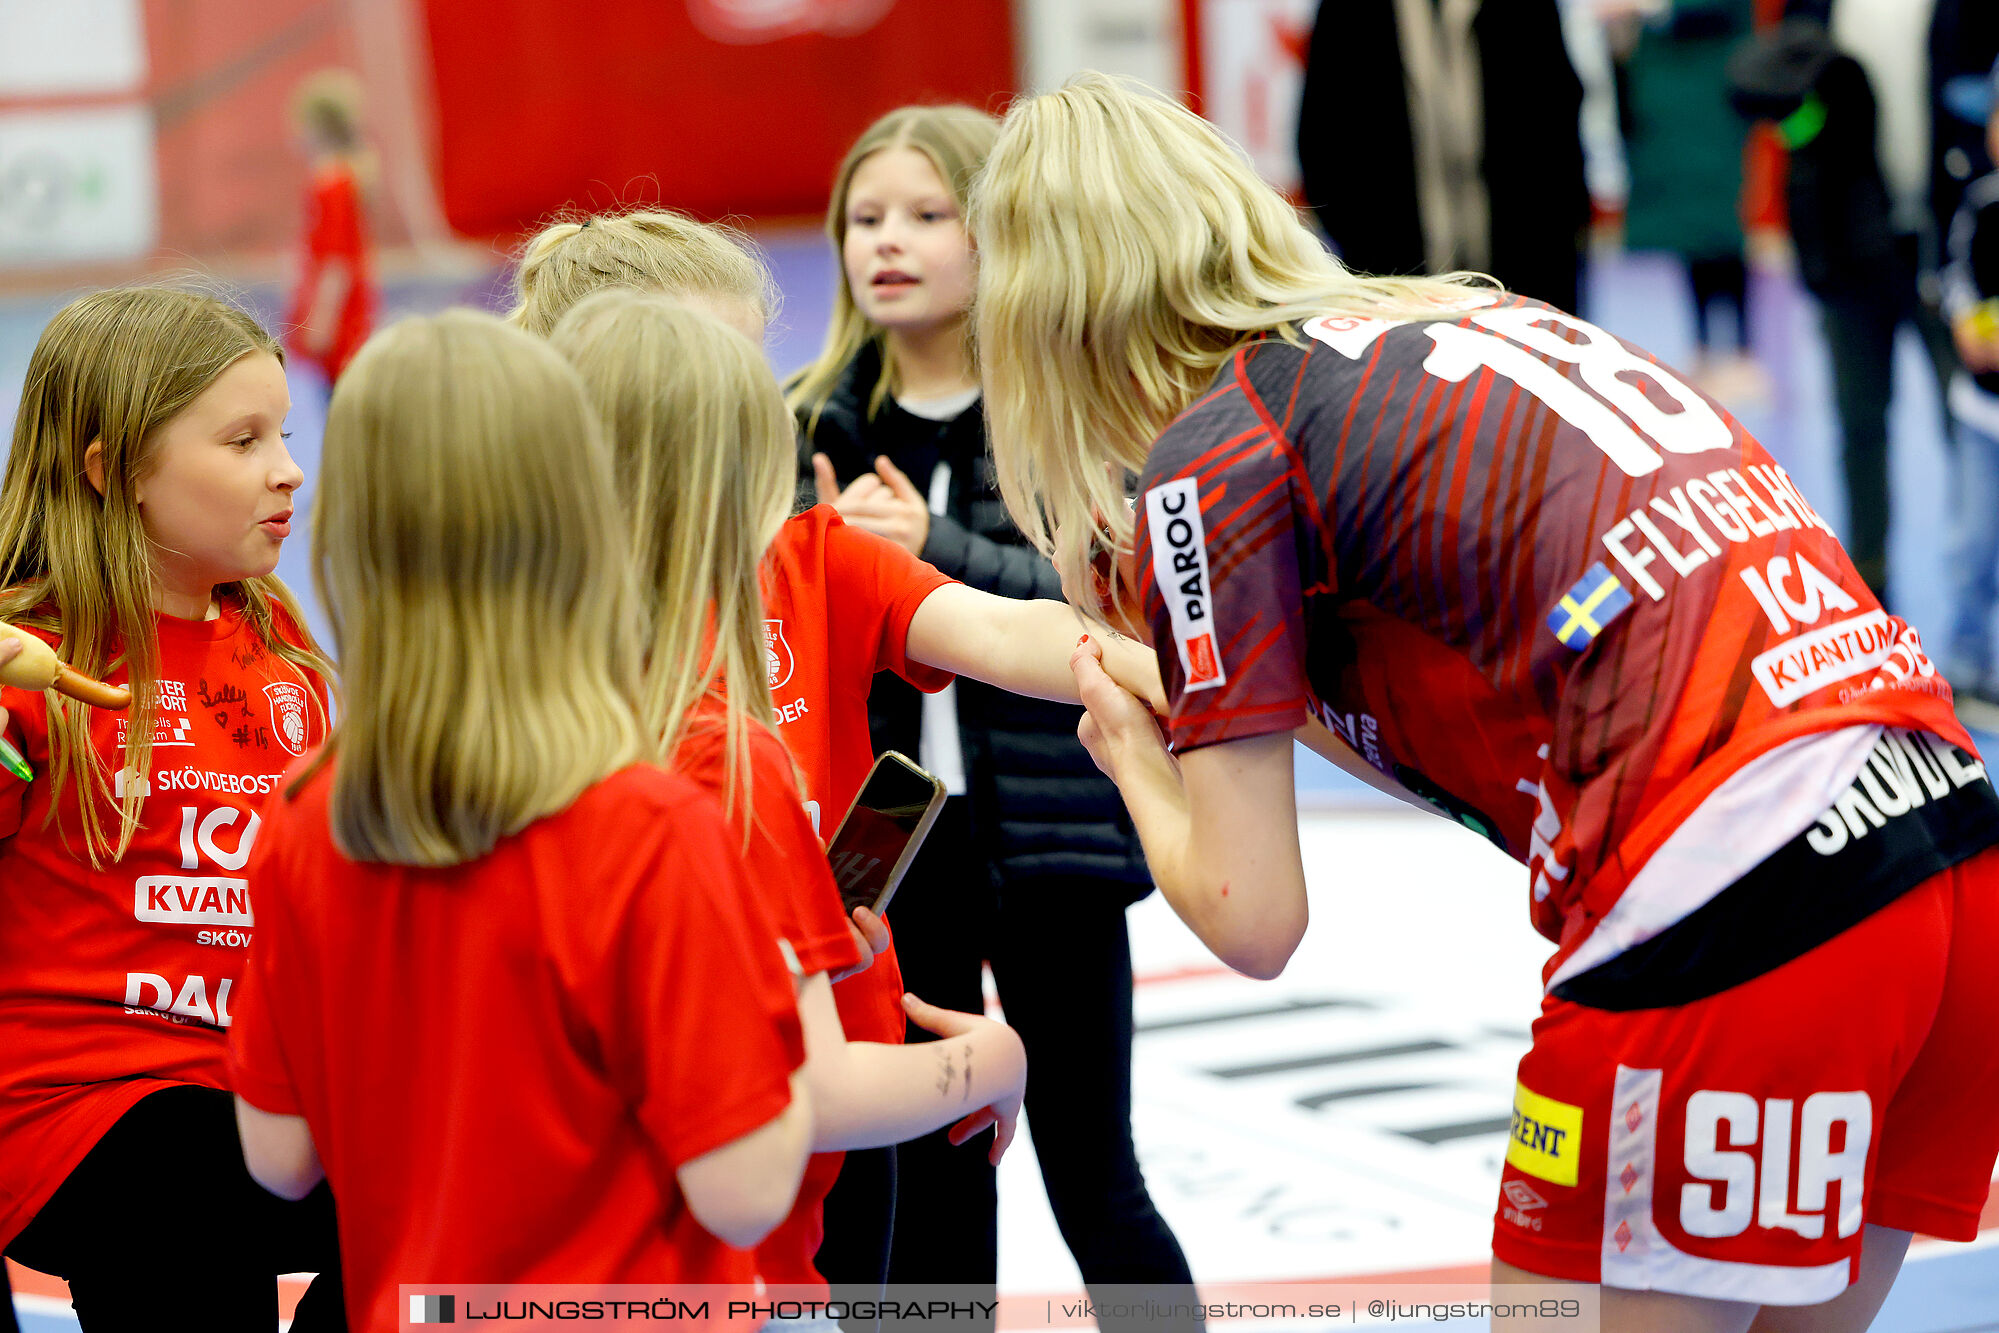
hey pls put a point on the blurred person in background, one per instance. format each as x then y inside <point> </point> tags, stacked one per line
<point>1463,117</point>
<point>1032,832</point>
<point>333,306</point>
<point>1845,81</point>
<point>1684,145</point>
<point>1585,30</point>
<point>1971,302</point>
<point>1964,42</point>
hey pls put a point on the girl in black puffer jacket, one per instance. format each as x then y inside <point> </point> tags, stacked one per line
<point>1034,861</point>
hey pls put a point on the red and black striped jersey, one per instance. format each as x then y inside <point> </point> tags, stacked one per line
<point>1522,568</point>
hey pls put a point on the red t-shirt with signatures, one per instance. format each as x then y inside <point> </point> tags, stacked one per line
<point>118,981</point>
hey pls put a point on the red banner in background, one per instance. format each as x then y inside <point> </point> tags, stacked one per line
<point>715,106</point>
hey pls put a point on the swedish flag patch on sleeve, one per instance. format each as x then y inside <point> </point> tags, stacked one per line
<point>1596,600</point>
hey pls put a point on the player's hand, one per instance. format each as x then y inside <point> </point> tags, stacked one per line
<point>1116,723</point>
<point>1002,1113</point>
<point>870,934</point>
<point>885,502</point>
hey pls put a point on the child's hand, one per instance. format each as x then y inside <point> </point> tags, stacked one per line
<point>885,502</point>
<point>870,934</point>
<point>825,482</point>
<point>1003,1111</point>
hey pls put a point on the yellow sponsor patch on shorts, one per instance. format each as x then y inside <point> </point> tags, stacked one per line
<point>1547,1137</point>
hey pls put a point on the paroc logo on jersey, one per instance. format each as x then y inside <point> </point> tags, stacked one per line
<point>288,714</point>
<point>1180,563</point>
<point>778,661</point>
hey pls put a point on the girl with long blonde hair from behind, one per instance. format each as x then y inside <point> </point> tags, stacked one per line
<point>562,919</point>
<point>454,738</point>
<point>1437,517</point>
<point>147,495</point>
<point>704,447</point>
<point>698,427</point>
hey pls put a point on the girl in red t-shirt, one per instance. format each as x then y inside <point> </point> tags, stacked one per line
<point>146,497</point>
<point>511,987</point>
<point>696,419</point>
<point>333,306</point>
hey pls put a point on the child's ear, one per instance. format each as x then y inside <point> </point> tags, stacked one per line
<point>93,465</point>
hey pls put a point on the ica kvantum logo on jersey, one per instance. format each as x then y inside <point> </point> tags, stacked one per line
<point>288,714</point>
<point>1180,563</point>
<point>778,661</point>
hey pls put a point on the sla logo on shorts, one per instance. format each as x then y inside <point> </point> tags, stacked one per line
<point>1180,563</point>
<point>778,661</point>
<point>288,715</point>
<point>1734,1181</point>
<point>1546,1140</point>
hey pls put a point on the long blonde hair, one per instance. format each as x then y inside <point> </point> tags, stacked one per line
<point>112,368</point>
<point>956,139</point>
<point>702,439</point>
<point>468,547</point>
<point>651,249</point>
<point>1126,250</point>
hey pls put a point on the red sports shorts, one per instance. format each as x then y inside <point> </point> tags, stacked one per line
<point>1731,1148</point>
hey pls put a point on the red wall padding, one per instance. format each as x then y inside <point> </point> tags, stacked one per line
<point>593,103</point>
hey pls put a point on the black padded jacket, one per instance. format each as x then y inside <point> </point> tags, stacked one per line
<point>1039,806</point>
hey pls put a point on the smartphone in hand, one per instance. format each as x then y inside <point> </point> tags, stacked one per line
<point>880,835</point>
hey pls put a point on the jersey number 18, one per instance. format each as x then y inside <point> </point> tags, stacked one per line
<point>1617,375</point>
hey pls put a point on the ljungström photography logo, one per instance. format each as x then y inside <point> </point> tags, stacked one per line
<point>433,1309</point>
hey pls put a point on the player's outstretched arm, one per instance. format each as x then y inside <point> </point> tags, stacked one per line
<point>740,1191</point>
<point>1220,824</point>
<point>869,1094</point>
<point>1315,737</point>
<point>1021,646</point>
